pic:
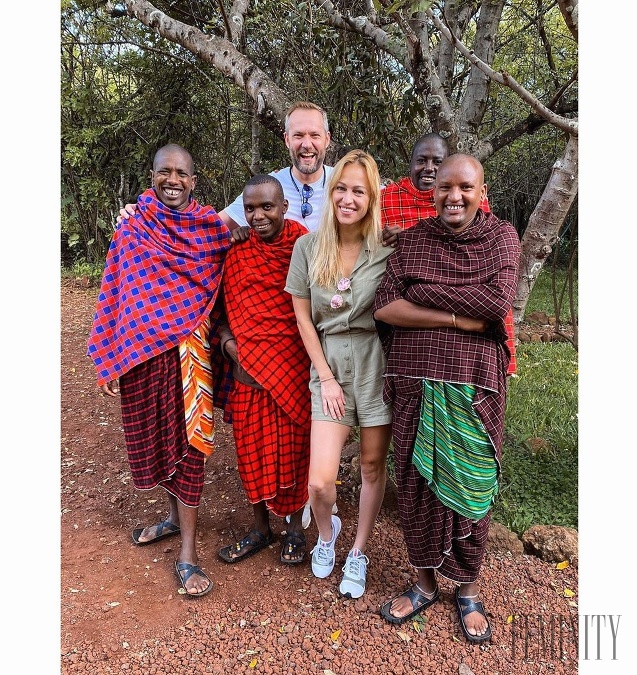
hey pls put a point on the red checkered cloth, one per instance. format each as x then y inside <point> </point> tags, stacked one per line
<point>403,204</point>
<point>261,317</point>
<point>273,450</point>
<point>472,273</point>
<point>162,275</point>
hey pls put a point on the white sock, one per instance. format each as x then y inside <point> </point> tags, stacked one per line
<point>327,543</point>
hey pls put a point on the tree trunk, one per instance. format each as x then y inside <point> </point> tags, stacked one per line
<point>255,166</point>
<point>545,222</point>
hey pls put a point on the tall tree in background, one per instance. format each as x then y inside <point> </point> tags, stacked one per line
<point>486,75</point>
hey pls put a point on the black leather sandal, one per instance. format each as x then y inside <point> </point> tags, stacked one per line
<point>292,544</point>
<point>466,606</point>
<point>419,602</point>
<point>254,540</point>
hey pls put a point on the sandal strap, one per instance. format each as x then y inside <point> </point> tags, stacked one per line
<point>415,597</point>
<point>165,525</point>
<point>426,594</point>
<point>470,606</point>
<point>253,538</point>
<point>188,570</point>
<point>293,541</point>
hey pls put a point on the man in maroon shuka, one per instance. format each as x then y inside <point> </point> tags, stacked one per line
<point>411,199</point>
<point>447,386</point>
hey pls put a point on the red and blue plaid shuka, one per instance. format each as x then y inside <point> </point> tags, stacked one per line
<point>161,280</point>
<point>402,203</point>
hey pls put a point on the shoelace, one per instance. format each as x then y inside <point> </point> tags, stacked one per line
<point>324,554</point>
<point>353,565</point>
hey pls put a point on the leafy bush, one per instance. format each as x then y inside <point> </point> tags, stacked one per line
<point>81,269</point>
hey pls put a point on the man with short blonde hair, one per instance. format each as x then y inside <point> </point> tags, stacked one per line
<point>307,137</point>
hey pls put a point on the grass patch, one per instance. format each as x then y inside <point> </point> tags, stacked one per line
<point>539,455</point>
<point>81,270</point>
<point>541,298</point>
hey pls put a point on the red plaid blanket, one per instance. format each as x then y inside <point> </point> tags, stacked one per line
<point>262,320</point>
<point>162,275</point>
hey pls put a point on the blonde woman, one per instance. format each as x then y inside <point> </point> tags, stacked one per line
<point>332,277</point>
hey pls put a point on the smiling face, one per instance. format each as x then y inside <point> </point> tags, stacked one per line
<point>351,195</point>
<point>173,177</point>
<point>265,209</point>
<point>307,141</point>
<point>425,160</point>
<point>460,188</point>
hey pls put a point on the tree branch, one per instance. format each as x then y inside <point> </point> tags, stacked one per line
<point>237,17</point>
<point>363,26</point>
<point>568,126</point>
<point>271,101</point>
<point>570,13</point>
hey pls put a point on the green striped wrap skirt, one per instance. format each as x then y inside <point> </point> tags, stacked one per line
<point>453,451</point>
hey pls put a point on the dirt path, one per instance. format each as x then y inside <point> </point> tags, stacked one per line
<point>120,606</point>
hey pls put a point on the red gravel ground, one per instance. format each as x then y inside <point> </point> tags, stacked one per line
<point>121,610</point>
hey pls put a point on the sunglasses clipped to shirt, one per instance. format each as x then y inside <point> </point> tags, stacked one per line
<point>306,193</point>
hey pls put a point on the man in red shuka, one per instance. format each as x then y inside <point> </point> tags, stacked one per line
<point>271,397</point>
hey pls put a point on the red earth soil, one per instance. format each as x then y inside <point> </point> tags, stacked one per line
<point>121,609</point>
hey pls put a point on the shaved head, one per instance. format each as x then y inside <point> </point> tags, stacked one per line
<point>177,149</point>
<point>467,162</point>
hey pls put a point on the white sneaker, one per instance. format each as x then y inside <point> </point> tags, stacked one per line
<point>355,574</point>
<point>307,515</point>
<point>323,554</point>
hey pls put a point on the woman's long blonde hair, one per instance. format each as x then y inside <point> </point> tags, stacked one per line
<point>325,266</point>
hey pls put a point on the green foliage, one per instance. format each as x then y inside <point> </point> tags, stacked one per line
<point>91,272</point>
<point>539,458</point>
<point>126,91</point>
<point>120,103</point>
<point>517,174</point>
